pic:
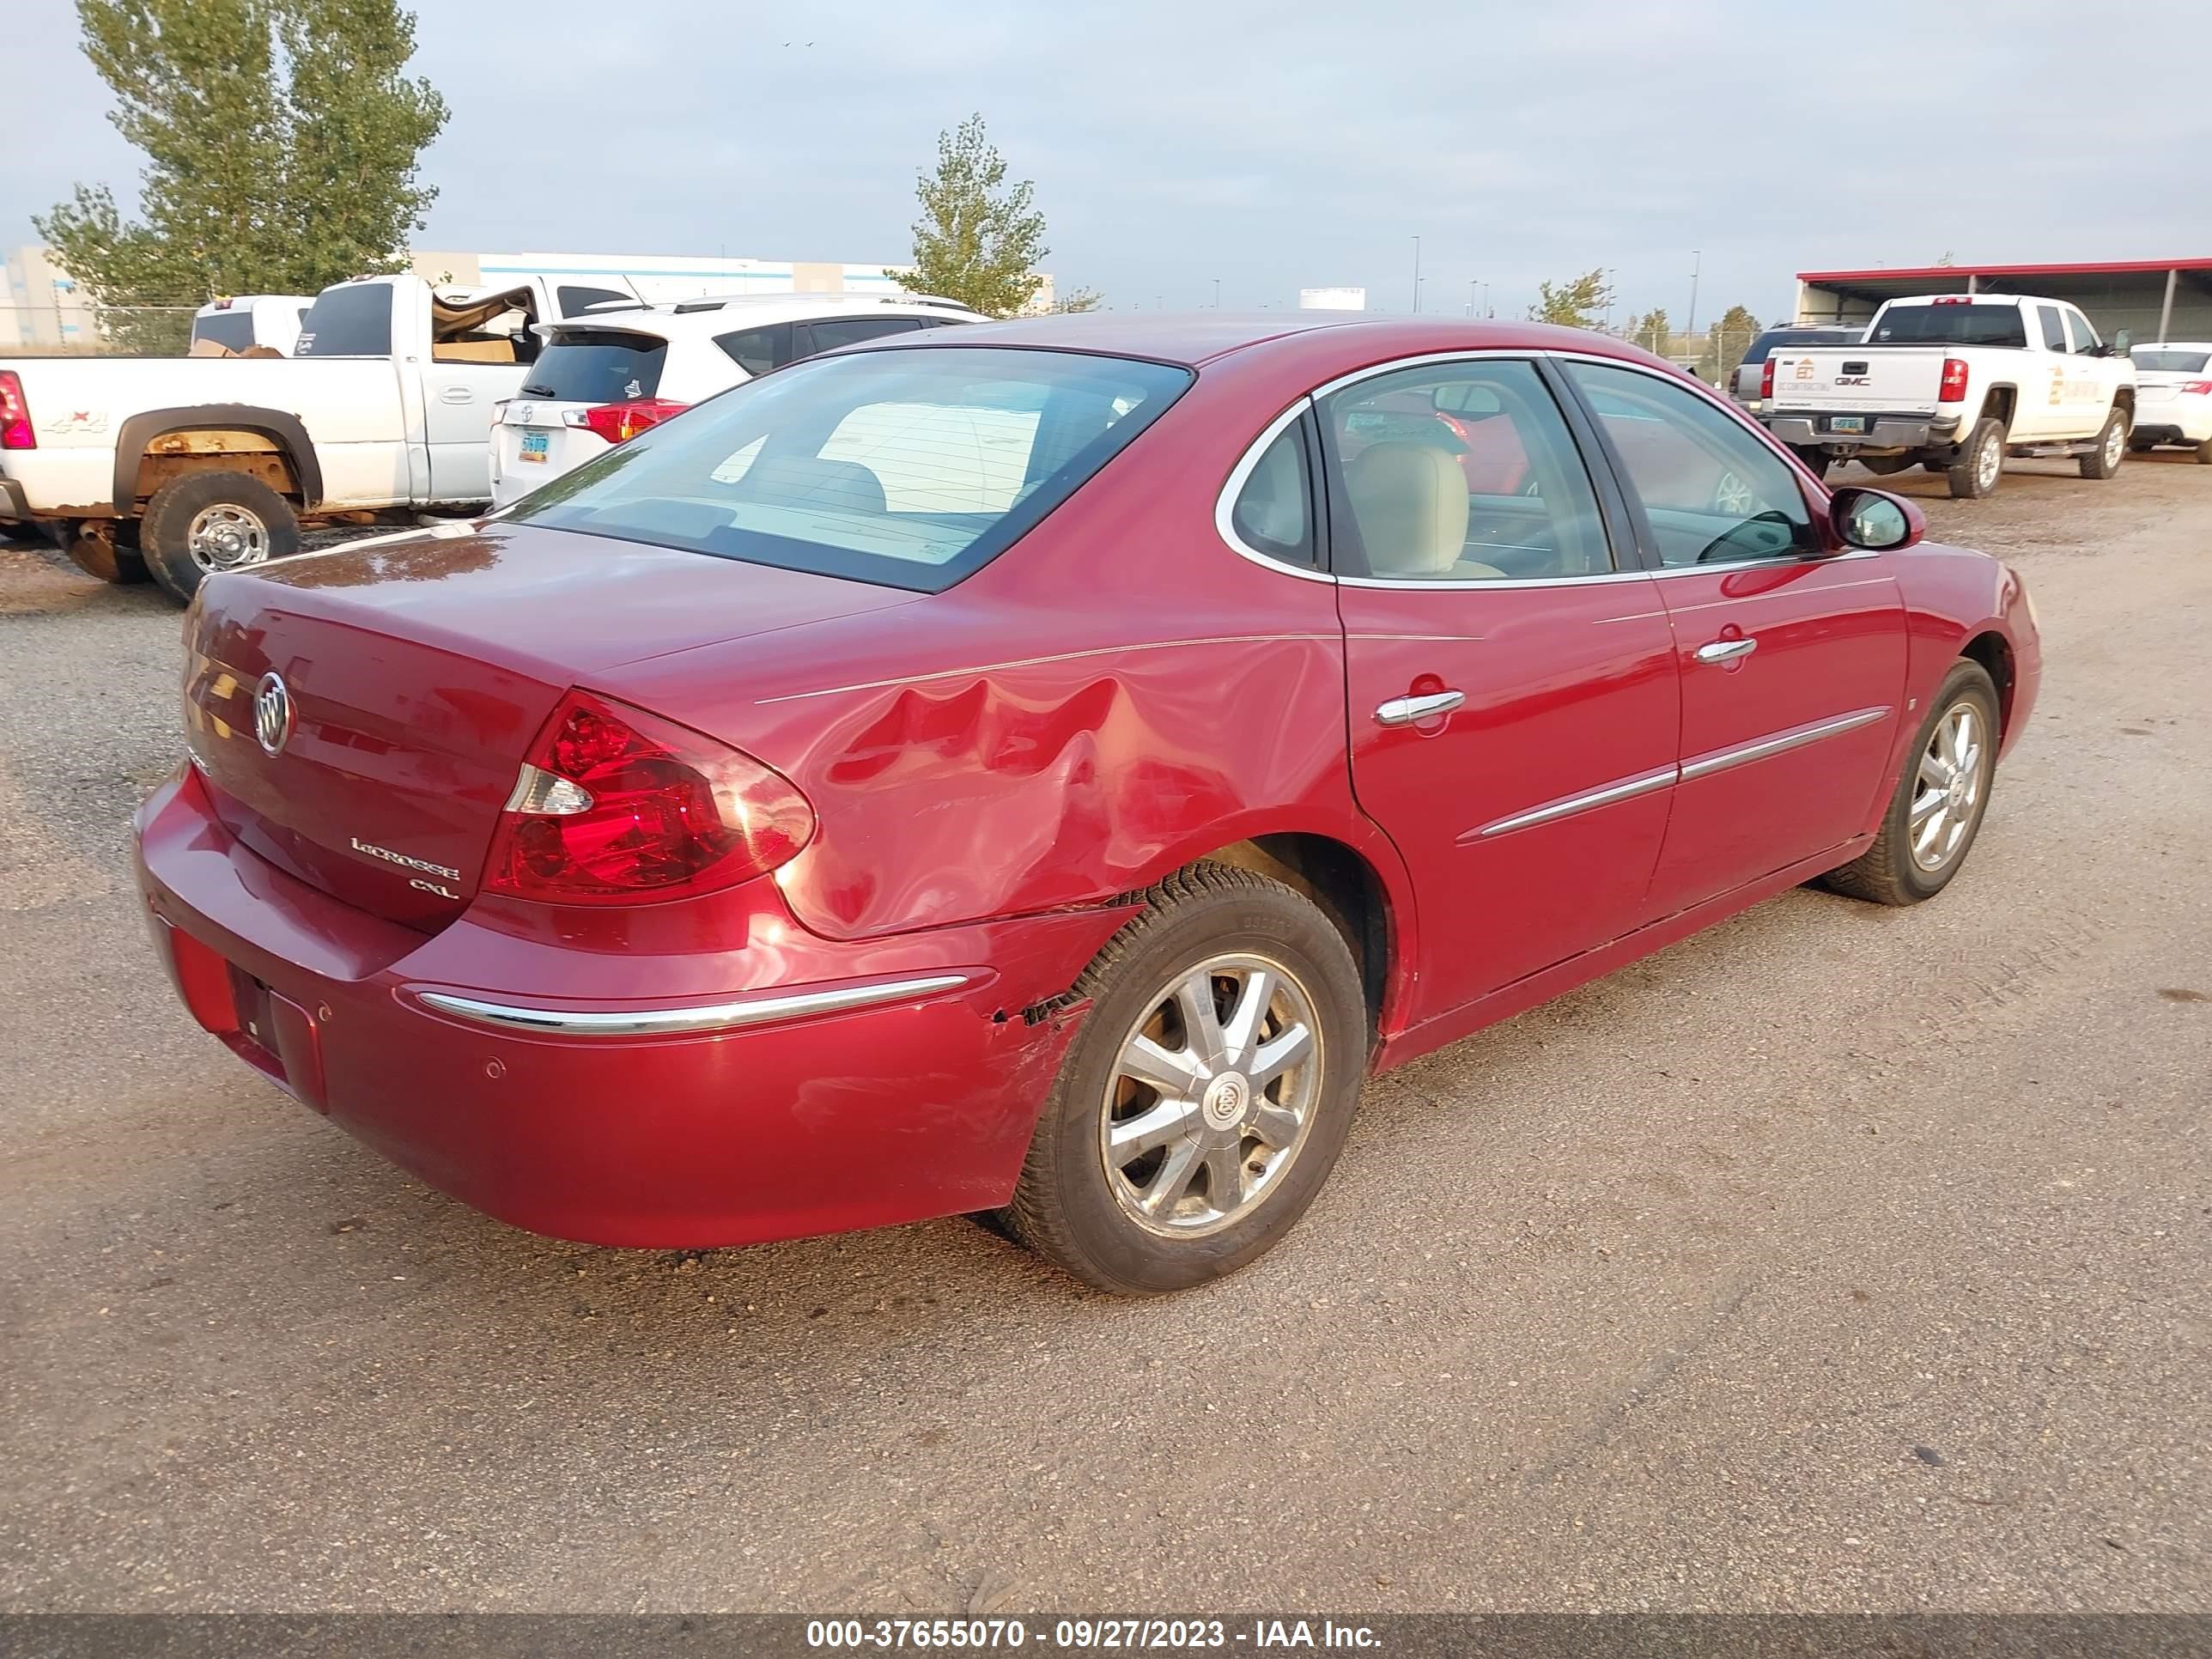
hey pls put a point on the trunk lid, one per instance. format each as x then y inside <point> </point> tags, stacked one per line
<point>416,674</point>
<point>1886,379</point>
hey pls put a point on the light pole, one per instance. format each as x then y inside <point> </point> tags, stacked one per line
<point>1471,284</point>
<point>1487,311</point>
<point>1417,275</point>
<point>1697,262</point>
<point>1217,293</point>
<point>1611,273</point>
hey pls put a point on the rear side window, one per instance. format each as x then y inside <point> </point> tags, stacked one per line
<point>352,321</point>
<point>597,366</point>
<point>907,469</point>
<point>233,329</point>
<point>828,333</point>
<point>1273,513</point>
<point>574,300</point>
<point>2054,331</point>
<point>757,350</point>
<point>1951,323</point>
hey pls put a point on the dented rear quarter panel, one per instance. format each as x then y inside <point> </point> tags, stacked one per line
<point>1116,695</point>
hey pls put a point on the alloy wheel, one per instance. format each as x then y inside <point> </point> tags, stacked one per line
<point>1948,791</point>
<point>1213,1095</point>
<point>1990,463</point>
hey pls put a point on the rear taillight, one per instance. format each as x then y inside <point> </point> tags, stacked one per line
<point>618,806</point>
<point>1766,381</point>
<point>620,423</point>
<point>1954,381</point>
<point>2201,388</point>
<point>14,414</point>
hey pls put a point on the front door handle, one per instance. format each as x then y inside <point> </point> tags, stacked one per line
<point>1726,650</point>
<point>1412,711</point>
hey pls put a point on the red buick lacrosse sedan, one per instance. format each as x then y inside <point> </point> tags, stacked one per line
<point>1045,768</point>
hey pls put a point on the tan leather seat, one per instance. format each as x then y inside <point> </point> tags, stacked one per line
<point>1409,500</point>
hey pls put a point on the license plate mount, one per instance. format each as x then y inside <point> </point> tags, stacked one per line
<point>1853,424</point>
<point>534,446</point>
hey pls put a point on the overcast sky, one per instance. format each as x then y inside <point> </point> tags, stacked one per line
<point>1302,143</point>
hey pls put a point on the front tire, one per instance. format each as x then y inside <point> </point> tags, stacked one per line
<point>209,521</point>
<point>1980,461</point>
<point>1937,809</point>
<point>2111,449</point>
<point>1208,1094</point>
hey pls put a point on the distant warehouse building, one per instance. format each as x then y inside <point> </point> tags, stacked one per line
<point>2152,298</point>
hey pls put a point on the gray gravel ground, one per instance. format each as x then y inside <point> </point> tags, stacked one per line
<point>1839,1258</point>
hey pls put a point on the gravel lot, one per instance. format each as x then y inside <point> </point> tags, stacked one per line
<point>1840,1258</point>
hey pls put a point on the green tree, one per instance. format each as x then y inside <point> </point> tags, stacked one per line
<point>1724,347</point>
<point>1576,303</point>
<point>978,240</point>
<point>1080,299</point>
<point>281,139</point>
<point>1653,330</point>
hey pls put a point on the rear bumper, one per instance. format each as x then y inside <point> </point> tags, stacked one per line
<point>2167,426</point>
<point>1810,429</point>
<point>833,1086</point>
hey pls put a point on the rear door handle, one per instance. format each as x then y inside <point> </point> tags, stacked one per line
<point>456,394</point>
<point>1726,650</point>
<point>1412,711</point>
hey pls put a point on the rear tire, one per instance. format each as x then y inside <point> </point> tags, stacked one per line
<point>1121,1208</point>
<point>2105,460</point>
<point>1896,869</point>
<point>209,521</point>
<point>1980,461</point>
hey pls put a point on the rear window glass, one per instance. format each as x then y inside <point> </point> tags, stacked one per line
<point>353,321</point>
<point>597,366</point>
<point>1776,338</point>
<point>1951,325</point>
<point>907,469</point>
<point>234,329</point>
<point>2172,363</point>
<point>828,333</point>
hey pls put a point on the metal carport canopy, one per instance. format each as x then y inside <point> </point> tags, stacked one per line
<point>2152,299</point>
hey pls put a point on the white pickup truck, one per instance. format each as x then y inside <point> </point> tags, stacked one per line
<point>178,467</point>
<point>1957,382</point>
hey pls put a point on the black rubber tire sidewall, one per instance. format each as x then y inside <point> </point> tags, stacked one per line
<point>1885,872</point>
<point>1963,474</point>
<point>1078,1222</point>
<point>164,532</point>
<point>2093,466</point>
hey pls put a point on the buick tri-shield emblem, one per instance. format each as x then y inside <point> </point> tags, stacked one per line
<point>272,714</point>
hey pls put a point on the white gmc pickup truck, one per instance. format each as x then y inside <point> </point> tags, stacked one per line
<point>1957,382</point>
<point>178,467</point>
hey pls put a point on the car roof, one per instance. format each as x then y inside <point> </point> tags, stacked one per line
<point>1192,339</point>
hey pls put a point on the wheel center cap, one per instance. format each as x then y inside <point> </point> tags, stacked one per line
<point>1957,791</point>
<point>1225,1099</point>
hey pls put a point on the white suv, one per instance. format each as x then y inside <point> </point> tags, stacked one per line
<point>605,376</point>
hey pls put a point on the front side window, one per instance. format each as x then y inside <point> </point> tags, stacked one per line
<point>907,469</point>
<point>1460,472</point>
<point>2085,337</point>
<point>1273,513</point>
<point>353,320</point>
<point>2054,331</point>
<point>1711,491</point>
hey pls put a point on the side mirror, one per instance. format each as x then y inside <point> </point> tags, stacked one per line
<point>2121,342</point>
<point>1874,520</point>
